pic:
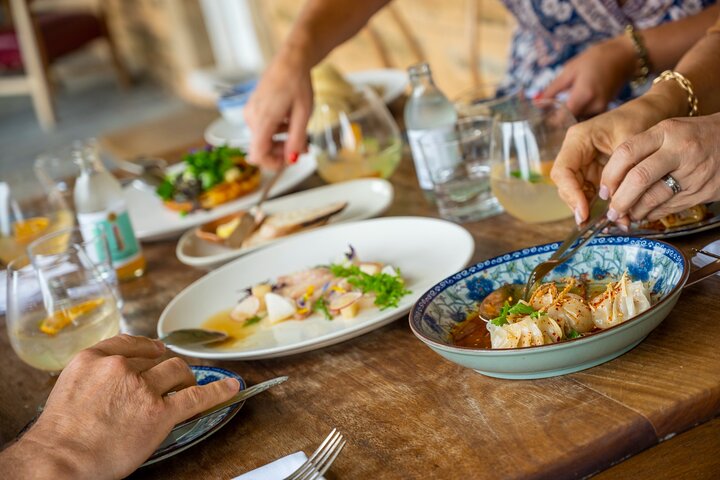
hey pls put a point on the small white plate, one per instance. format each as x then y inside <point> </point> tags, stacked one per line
<point>391,81</point>
<point>424,249</point>
<point>154,221</point>
<point>366,198</point>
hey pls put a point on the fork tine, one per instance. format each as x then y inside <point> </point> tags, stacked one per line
<point>329,462</point>
<point>301,471</point>
<point>320,463</point>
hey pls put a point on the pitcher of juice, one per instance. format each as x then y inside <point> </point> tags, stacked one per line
<point>525,144</point>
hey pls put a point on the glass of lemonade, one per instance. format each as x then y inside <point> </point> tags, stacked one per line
<point>459,167</point>
<point>355,140</point>
<point>57,305</point>
<point>524,148</point>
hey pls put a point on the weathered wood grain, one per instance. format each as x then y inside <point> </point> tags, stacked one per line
<point>407,413</point>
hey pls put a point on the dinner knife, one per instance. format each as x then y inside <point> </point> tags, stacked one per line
<point>241,396</point>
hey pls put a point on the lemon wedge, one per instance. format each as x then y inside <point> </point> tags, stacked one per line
<point>62,318</point>
<point>26,230</point>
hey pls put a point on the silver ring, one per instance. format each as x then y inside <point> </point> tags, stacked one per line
<point>672,184</point>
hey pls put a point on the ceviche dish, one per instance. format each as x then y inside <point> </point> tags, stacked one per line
<point>335,292</point>
<point>557,311</point>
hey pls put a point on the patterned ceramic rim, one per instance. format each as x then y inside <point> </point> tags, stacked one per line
<point>419,308</point>
<point>227,415</point>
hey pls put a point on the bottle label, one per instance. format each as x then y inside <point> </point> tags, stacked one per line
<point>115,224</point>
<point>432,153</point>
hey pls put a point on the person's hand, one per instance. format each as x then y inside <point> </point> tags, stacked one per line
<point>578,167</point>
<point>282,101</point>
<point>686,148</point>
<point>595,77</point>
<point>109,411</point>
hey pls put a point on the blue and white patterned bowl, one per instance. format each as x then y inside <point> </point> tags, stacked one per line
<point>442,307</point>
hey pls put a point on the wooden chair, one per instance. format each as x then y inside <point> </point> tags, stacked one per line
<point>37,39</point>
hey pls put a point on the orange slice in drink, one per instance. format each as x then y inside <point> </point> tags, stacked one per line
<point>62,318</point>
<point>26,230</point>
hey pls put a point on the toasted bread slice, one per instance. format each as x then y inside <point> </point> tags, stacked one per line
<point>286,223</point>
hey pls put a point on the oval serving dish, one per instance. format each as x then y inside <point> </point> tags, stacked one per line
<point>663,267</point>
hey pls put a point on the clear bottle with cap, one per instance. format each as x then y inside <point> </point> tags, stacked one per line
<point>100,207</point>
<point>428,113</point>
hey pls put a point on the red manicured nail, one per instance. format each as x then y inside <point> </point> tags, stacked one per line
<point>538,96</point>
<point>293,157</point>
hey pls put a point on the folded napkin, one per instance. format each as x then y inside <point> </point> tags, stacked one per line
<point>277,470</point>
<point>701,260</point>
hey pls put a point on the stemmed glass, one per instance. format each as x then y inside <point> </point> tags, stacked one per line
<point>525,144</point>
<point>57,305</point>
<point>356,139</point>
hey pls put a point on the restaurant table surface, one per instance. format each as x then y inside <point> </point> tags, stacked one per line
<point>408,413</point>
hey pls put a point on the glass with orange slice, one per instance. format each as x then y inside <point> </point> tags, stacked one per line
<point>57,305</point>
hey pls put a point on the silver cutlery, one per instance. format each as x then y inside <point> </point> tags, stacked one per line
<point>241,396</point>
<point>187,337</point>
<point>577,239</point>
<point>320,461</point>
<point>249,221</point>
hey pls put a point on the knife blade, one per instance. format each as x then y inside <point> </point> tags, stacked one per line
<point>241,396</point>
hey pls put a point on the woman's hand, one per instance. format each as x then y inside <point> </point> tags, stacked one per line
<point>595,77</point>
<point>579,165</point>
<point>282,101</point>
<point>109,411</point>
<point>686,148</point>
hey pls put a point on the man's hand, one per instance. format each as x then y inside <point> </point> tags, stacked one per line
<point>109,411</point>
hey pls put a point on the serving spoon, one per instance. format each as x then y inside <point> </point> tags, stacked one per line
<point>187,337</point>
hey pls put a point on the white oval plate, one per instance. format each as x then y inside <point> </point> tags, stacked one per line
<point>366,198</point>
<point>391,81</point>
<point>424,249</point>
<point>154,221</point>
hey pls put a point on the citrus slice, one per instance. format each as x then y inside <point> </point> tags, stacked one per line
<point>26,230</point>
<point>62,318</point>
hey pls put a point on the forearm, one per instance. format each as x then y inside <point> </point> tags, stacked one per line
<point>28,459</point>
<point>324,24</point>
<point>667,43</point>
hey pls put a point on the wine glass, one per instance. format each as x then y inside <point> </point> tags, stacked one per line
<point>57,305</point>
<point>525,144</point>
<point>355,138</point>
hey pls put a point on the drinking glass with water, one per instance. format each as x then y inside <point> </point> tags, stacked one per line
<point>459,168</point>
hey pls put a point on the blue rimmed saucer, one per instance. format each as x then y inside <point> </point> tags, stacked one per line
<point>198,431</point>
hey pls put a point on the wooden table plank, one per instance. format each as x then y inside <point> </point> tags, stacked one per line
<point>408,413</point>
<point>692,455</point>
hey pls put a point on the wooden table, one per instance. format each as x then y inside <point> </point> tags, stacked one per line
<point>408,413</point>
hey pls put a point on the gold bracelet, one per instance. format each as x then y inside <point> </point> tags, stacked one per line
<point>644,67</point>
<point>685,85</point>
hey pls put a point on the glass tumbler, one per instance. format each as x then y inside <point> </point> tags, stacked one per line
<point>524,148</point>
<point>459,166</point>
<point>96,248</point>
<point>56,307</point>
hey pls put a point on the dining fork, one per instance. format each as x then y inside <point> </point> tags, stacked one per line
<point>321,459</point>
<point>577,239</point>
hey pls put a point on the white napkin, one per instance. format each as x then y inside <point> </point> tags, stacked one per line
<point>701,260</point>
<point>277,470</point>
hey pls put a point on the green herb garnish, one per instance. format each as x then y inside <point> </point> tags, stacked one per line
<point>166,189</point>
<point>573,334</point>
<point>533,178</point>
<point>251,321</point>
<point>388,289</point>
<point>320,305</point>
<point>517,309</point>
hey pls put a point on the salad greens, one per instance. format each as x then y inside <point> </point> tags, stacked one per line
<point>517,309</point>
<point>388,289</point>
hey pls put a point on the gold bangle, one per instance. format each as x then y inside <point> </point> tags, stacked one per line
<point>644,67</point>
<point>685,85</point>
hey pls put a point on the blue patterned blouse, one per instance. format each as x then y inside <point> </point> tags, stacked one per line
<point>551,32</point>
